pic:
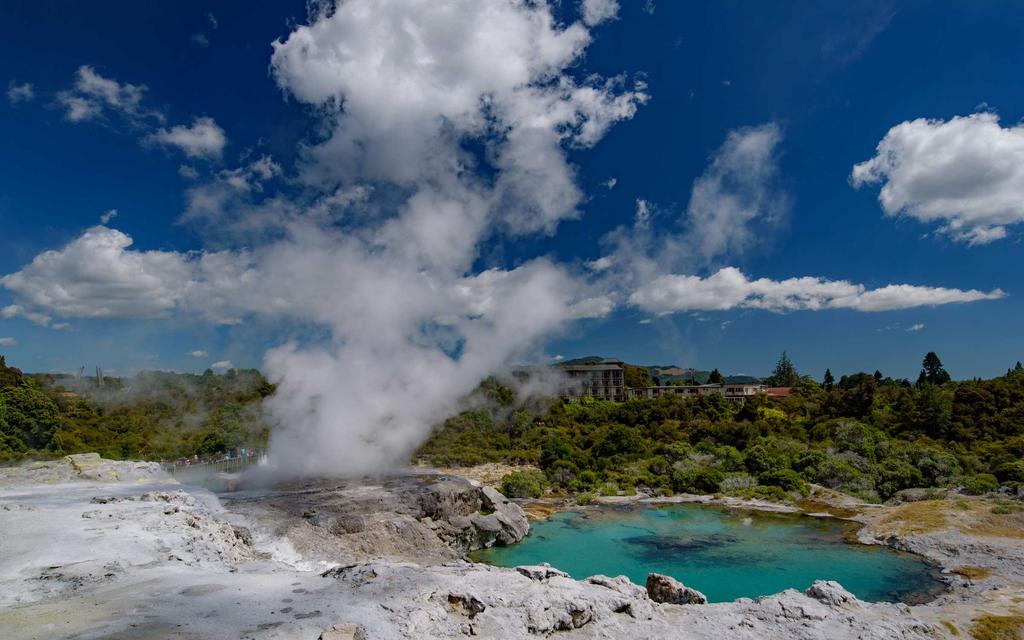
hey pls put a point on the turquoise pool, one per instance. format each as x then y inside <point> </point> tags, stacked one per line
<point>726,554</point>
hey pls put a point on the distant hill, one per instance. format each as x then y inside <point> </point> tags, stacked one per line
<point>673,374</point>
<point>668,374</point>
<point>580,361</point>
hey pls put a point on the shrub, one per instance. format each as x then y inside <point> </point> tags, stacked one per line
<point>698,480</point>
<point>556,447</point>
<point>730,458</point>
<point>563,473</point>
<point>775,494</point>
<point>772,415</point>
<point>894,474</point>
<point>785,479</point>
<point>588,478</point>
<point>737,482</point>
<point>618,440</point>
<point>523,484</point>
<point>809,461</point>
<point>585,498</point>
<point>1011,471</point>
<point>980,483</point>
<point>609,489</point>
<point>30,417</point>
<point>760,459</point>
<point>851,435</point>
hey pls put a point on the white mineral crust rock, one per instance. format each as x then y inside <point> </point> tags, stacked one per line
<point>85,556</point>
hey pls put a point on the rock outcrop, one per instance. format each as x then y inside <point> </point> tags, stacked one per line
<point>84,466</point>
<point>424,517</point>
<point>343,632</point>
<point>668,590</point>
<point>541,572</point>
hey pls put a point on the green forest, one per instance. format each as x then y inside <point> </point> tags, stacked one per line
<point>866,434</point>
<point>151,416</point>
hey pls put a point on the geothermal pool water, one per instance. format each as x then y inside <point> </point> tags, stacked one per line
<point>725,554</point>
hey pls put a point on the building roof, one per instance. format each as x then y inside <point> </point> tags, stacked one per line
<point>593,367</point>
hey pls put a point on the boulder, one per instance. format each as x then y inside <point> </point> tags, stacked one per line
<point>343,632</point>
<point>510,516</point>
<point>499,521</point>
<point>832,593</point>
<point>667,589</point>
<point>465,604</point>
<point>635,600</point>
<point>539,572</point>
<point>793,605</point>
<point>90,466</point>
<point>449,497</point>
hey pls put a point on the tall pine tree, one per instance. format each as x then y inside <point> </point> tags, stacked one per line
<point>785,374</point>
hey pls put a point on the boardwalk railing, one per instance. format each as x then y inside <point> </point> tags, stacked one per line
<point>220,463</point>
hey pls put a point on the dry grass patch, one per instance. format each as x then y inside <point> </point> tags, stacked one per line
<point>539,510</point>
<point>489,473</point>
<point>989,627</point>
<point>972,573</point>
<point>974,516</point>
<point>815,506</point>
<point>919,517</point>
<point>950,627</point>
<point>999,523</point>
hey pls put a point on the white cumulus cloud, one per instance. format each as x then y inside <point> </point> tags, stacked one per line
<point>8,342</point>
<point>966,174</point>
<point>20,92</point>
<point>222,365</point>
<point>597,11</point>
<point>202,139</point>
<point>97,276</point>
<point>18,311</point>
<point>92,93</point>
<point>405,82</point>
<point>198,353</point>
<point>729,288</point>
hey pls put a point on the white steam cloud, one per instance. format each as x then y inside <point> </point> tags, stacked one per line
<point>404,85</point>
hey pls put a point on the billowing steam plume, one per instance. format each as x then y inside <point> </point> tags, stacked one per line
<point>447,125</point>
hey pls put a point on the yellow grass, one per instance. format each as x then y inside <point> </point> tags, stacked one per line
<point>539,510</point>
<point>972,573</point>
<point>970,516</point>
<point>814,506</point>
<point>989,627</point>
<point>953,631</point>
<point>919,517</point>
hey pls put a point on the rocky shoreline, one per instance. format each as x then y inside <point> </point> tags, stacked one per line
<point>98,549</point>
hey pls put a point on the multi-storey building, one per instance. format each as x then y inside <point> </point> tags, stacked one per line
<point>730,391</point>
<point>605,380</point>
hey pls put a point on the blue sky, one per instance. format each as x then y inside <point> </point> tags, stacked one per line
<point>822,86</point>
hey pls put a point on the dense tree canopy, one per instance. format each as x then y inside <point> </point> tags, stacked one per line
<point>868,435</point>
<point>152,416</point>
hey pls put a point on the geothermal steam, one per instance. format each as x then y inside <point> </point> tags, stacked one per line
<point>403,89</point>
